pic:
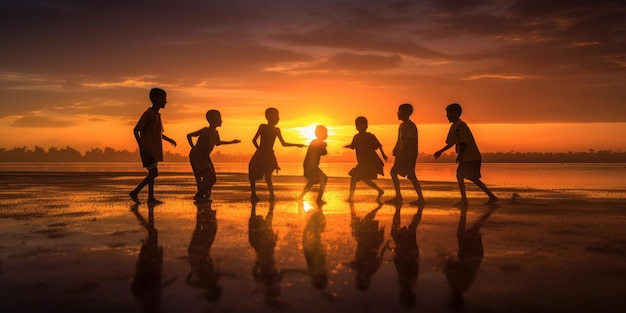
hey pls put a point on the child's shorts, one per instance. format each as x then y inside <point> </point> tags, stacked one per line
<point>313,175</point>
<point>469,169</point>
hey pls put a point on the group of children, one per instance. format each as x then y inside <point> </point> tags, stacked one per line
<point>149,135</point>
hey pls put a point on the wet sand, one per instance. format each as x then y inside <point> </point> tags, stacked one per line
<point>73,242</point>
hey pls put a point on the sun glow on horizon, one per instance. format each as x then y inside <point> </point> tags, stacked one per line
<point>306,134</point>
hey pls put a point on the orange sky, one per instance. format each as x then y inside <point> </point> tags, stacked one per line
<point>532,75</point>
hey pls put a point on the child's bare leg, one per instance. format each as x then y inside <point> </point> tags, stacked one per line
<point>373,185</point>
<point>306,189</point>
<point>147,181</point>
<point>270,185</point>
<point>151,198</point>
<point>483,187</point>
<point>200,196</point>
<point>253,196</point>
<point>352,188</point>
<point>396,187</point>
<point>134,194</point>
<point>153,173</point>
<point>198,178</point>
<point>204,190</point>
<point>323,181</point>
<point>463,201</point>
<point>417,187</point>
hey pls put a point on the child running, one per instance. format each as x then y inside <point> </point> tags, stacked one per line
<point>312,171</point>
<point>199,156</point>
<point>369,164</point>
<point>405,153</point>
<point>263,162</point>
<point>468,155</point>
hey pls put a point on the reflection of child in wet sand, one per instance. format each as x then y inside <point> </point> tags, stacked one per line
<point>314,249</point>
<point>149,135</point>
<point>147,285</point>
<point>263,239</point>
<point>263,162</point>
<point>203,169</point>
<point>405,152</point>
<point>200,260</point>
<point>461,271</point>
<point>369,237</point>
<point>468,157</point>
<point>369,164</point>
<point>312,171</point>
<point>406,255</point>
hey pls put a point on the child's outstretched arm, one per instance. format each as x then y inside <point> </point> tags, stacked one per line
<point>228,142</point>
<point>220,142</point>
<point>287,144</point>
<point>351,145</point>
<point>438,153</point>
<point>168,139</point>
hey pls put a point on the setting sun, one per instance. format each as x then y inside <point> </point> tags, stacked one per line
<point>306,133</point>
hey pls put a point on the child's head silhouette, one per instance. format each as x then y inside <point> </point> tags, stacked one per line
<point>361,123</point>
<point>404,111</point>
<point>214,117</point>
<point>321,132</point>
<point>454,112</point>
<point>271,114</point>
<point>158,97</point>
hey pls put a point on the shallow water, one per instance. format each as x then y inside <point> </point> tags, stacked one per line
<point>597,180</point>
<point>74,243</point>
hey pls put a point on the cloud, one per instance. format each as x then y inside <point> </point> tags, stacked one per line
<point>136,82</point>
<point>343,63</point>
<point>362,62</point>
<point>495,76</point>
<point>40,121</point>
<point>97,60</point>
<point>455,6</point>
<point>358,40</point>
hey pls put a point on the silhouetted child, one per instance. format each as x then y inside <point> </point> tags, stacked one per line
<point>203,168</point>
<point>405,152</point>
<point>312,171</point>
<point>263,162</point>
<point>468,155</point>
<point>149,133</point>
<point>369,164</point>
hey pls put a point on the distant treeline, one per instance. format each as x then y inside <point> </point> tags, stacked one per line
<point>108,154</point>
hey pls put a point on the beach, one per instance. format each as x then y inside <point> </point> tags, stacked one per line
<point>74,242</point>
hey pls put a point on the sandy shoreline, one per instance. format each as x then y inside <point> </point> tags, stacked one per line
<point>72,242</point>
